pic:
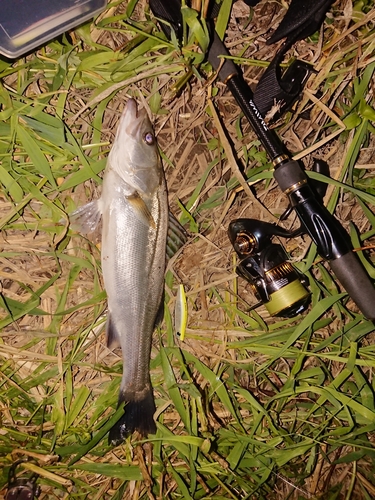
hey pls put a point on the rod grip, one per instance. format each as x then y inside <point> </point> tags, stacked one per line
<point>353,277</point>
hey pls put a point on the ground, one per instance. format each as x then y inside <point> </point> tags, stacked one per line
<point>248,406</point>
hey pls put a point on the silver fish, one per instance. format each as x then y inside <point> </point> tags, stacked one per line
<point>133,208</point>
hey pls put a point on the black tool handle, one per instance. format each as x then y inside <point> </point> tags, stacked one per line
<point>332,241</point>
<point>324,229</point>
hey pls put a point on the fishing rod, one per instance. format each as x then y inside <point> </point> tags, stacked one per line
<point>332,241</point>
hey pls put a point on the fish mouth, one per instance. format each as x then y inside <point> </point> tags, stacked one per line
<point>133,117</point>
<point>131,108</point>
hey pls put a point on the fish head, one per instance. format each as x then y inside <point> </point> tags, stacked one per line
<point>134,154</point>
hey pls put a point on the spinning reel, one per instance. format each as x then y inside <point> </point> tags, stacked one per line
<point>265,265</point>
<point>21,488</point>
<point>276,283</point>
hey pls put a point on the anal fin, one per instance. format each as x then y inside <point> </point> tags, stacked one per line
<point>112,335</point>
<point>160,314</point>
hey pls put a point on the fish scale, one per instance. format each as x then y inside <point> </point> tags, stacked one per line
<point>134,289</point>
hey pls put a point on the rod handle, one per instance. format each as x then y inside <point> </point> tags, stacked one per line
<point>353,277</point>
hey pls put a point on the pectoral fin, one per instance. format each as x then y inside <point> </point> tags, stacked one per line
<point>141,210</point>
<point>87,219</point>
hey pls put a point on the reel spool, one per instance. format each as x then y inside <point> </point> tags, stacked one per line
<point>274,280</point>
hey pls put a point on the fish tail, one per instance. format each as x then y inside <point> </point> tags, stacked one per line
<point>138,416</point>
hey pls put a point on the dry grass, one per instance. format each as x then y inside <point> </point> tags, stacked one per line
<point>249,406</point>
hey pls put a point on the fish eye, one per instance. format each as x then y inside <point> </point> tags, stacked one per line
<point>149,138</point>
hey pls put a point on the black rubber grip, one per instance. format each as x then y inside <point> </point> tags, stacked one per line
<point>288,174</point>
<point>353,277</point>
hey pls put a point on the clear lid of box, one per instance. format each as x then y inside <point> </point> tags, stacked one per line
<point>26,24</point>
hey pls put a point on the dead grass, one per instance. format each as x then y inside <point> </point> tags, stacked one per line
<point>58,380</point>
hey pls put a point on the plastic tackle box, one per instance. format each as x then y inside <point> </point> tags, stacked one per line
<point>26,24</point>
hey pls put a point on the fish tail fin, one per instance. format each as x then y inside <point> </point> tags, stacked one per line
<point>138,416</point>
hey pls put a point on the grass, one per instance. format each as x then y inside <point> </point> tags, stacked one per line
<point>248,406</point>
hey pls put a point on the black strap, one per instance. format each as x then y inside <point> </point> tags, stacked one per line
<point>302,19</point>
<point>280,90</point>
<point>275,88</point>
<point>276,92</point>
